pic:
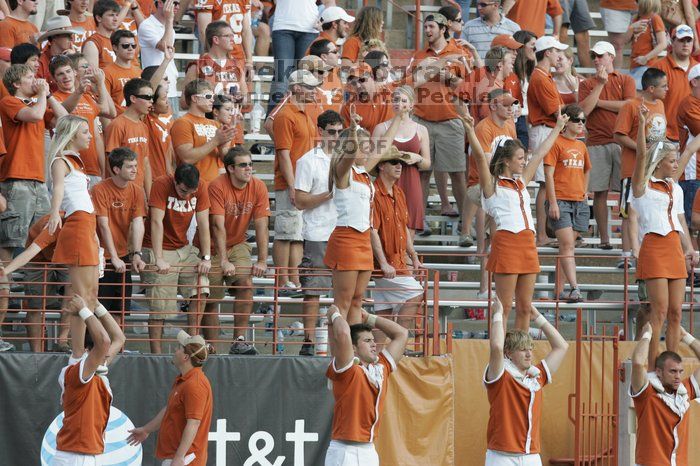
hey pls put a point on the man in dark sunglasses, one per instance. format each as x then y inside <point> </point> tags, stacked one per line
<point>488,24</point>
<point>122,70</point>
<point>371,102</point>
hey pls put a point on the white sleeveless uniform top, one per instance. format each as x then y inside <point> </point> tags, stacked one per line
<point>659,207</point>
<point>353,203</point>
<point>510,205</point>
<point>75,188</point>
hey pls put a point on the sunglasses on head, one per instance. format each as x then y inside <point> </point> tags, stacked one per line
<point>244,164</point>
<point>577,120</point>
<point>128,46</point>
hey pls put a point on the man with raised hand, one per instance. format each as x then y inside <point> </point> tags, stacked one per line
<point>360,378</point>
<point>661,399</point>
<point>514,388</point>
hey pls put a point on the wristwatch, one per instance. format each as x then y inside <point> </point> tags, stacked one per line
<point>206,257</point>
<point>138,253</point>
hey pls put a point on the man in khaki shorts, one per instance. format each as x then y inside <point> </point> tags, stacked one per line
<point>237,197</point>
<point>174,200</point>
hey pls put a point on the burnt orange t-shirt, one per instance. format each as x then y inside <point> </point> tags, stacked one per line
<point>373,110</point>
<point>294,130</point>
<point>190,398</point>
<point>124,132</point>
<point>389,220</point>
<point>115,79</point>
<point>86,409</point>
<point>530,14</point>
<point>88,28</point>
<point>104,46</point>
<point>351,49</point>
<point>238,206</point>
<point>486,131</point>
<point>15,31</point>
<point>627,123</point>
<point>678,89</point>
<point>358,401</point>
<point>160,145</point>
<point>621,5</point>
<point>434,100</point>
<point>689,125</point>
<point>657,425</point>
<point>331,91</point>
<point>514,418</point>
<point>43,71</point>
<point>601,122</point>
<point>321,36</point>
<point>88,109</point>
<point>39,234</point>
<point>178,211</point>
<point>120,206</point>
<point>643,43</point>
<point>543,99</point>
<point>24,159</point>
<point>195,130</point>
<point>570,160</point>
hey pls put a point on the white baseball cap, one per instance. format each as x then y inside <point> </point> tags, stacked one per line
<point>694,73</point>
<point>334,13</point>
<point>682,31</point>
<point>603,47</point>
<point>548,42</point>
<point>303,77</point>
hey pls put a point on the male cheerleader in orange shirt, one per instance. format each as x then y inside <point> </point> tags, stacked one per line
<point>360,378</point>
<point>661,399</point>
<point>514,387</point>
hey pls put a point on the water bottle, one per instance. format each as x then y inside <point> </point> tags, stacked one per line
<point>280,340</point>
<point>256,117</point>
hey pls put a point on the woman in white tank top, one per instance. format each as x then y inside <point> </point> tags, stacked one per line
<point>349,251</point>
<point>77,245</point>
<point>513,258</point>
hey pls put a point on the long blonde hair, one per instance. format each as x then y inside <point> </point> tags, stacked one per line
<point>368,24</point>
<point>347,145</point>
<point>66,129</point>
<point>648,7</point>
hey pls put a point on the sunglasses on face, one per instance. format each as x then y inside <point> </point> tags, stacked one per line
<point>595,55</point>
<point>395,162</point>
<point>206,96</point>
<point>577,120</point>
<point>128,46</point>
<point>333,51</point>
<point>144,96</point>
<point>244,164</point>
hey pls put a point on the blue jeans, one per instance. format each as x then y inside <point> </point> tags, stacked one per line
<point>689,188</point>
<point>287,48</point>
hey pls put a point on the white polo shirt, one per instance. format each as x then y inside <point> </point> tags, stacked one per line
<point>312,177</point>
<point>150,33</point>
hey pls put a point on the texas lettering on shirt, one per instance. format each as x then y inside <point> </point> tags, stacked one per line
<point>574,159</point>
<point>181,205</point>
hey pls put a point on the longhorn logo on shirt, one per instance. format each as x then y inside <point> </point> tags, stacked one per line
<point>238,208</point>
<point>208,70</point>
<point>111,53</point>
<point>181,205</point>
<point>656,128</point>
<point>207,131</point>
<point>574,159</point>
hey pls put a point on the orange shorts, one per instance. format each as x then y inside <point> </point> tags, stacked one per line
<point>77,241</point>
<point>661,257</point>
<point>348,249</point>
<point>513,253</point>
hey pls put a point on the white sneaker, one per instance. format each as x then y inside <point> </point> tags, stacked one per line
<point>483,294</point>
<point>5,346</point>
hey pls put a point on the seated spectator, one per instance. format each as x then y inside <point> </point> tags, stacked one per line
<point>488,24</point>
<point>324,54</point>
<point>261,29</point>
<point>129,130</point>
<point>98,47</point>
<point>319,217</point>
<point>78,100</point>
<point>197,140</point>
<point>237,198</point>
<point>648,36</point>
<point>81,20</point>
<point>60,41</point>
<point>576,14</point>
<point>156,34</point>
<point>118,73</point>
<point>369,24</point>
<point>179,266</point>
<point>40,246</point>
<point>16,28</point>
<point>397,290</point>
<point>120,207</point>
<point>566,169</point>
